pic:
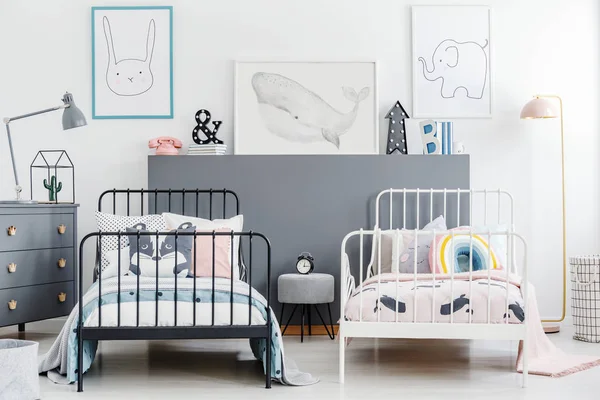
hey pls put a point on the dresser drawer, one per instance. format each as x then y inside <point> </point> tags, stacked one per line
<point>34,303</point>
<point>34,267</point>
<point>35,231</point>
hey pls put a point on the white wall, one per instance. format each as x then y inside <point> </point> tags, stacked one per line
<point>548,46</point>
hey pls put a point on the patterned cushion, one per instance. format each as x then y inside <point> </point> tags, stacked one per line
<point>153,253</point>
<point>115,223</point>
<point>407,258</point>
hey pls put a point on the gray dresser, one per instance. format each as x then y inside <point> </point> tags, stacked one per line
<point>38,259</point>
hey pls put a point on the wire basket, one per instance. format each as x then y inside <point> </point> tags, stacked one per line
<point>585,297</point>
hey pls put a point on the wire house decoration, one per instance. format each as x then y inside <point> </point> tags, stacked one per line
<point>52,177</point>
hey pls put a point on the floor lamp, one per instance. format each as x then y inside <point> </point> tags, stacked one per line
<point>72,118</point>
<point>544,106</point>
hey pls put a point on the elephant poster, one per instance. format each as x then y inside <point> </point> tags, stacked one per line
<point>451,62</point>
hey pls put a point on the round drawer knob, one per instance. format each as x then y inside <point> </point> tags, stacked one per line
<point>12,305</point>
<point>62,297</point>
<point>62,228</point>
<point>12,267</point>
<point>11,230</point>
<point>61,263</point>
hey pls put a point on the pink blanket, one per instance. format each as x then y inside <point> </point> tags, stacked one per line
<point>396,295</point>
<point>544,357</point>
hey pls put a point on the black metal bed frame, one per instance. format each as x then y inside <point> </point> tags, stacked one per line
<point>175,332</point>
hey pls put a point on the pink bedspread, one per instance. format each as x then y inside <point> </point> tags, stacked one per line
<point>397,293</point>
<point>545,358</point>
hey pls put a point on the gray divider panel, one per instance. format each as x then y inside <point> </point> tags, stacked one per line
<point>309,203</point>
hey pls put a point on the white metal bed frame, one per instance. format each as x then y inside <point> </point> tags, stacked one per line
<point>433,329</point>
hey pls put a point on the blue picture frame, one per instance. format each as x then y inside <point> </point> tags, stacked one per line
<point>168,115</point>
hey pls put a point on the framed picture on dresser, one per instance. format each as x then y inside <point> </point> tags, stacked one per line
<point>306,107</point>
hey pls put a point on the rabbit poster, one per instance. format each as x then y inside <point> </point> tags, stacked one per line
<point>451,62</point>
<point>132,62</point>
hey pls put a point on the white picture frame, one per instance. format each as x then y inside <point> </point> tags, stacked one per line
<point>306,107</point>
<point>132,62</point>
<point>460,39</point>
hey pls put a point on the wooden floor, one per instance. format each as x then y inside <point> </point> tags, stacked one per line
<point>382,369</point>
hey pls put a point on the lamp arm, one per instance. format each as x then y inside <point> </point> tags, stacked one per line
<point>47,110</point>
<point>564,208</point>
<point>7,122</point>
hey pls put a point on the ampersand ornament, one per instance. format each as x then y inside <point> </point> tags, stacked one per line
<point>203,119</point>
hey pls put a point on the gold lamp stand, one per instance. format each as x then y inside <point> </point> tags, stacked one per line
<point>541,107</point>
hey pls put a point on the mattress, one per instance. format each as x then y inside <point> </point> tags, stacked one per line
<point>120,308</point>
<point>392,297</point>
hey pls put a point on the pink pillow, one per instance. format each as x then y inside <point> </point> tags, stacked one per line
<point>203,255</point>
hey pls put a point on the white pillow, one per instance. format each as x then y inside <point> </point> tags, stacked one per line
<point>392,245</point>
<point>112,268</point>
<point>236,224</point>
<point>115,223</point>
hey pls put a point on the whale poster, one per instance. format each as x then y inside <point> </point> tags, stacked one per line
<point>306,108</point>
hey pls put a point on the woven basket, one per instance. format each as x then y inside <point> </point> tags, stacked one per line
<point>585,297</point>
<point>19,378</point>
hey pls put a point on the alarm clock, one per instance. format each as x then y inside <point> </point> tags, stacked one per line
<point>305,263</point>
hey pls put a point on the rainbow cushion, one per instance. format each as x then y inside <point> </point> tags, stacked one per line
<point>458,248</point>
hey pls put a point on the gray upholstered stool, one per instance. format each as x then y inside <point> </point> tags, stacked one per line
<point>306,291</point>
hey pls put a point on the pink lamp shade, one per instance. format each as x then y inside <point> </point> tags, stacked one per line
<point>539,108</point>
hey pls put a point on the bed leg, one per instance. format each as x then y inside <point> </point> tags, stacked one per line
<point>79,360</point>
<point>268,357</point>
<point>525,362</point>
<point>342,340</point>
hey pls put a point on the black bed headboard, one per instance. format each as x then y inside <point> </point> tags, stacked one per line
<point>204,203</point>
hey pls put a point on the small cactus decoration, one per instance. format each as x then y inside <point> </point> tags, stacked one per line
<point>53,188</point>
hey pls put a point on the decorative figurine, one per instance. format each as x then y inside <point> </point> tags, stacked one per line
<point>446,135</point>
<point>55,170</point>
<point>52,188</point>
<point>431,143</point>
<point>397,131</point>
<point>203,118</point>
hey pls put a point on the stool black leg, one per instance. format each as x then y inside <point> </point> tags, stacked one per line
<point>281,317</point>
<point>309,321</point>
<point>332,334</point>
<point>21,327</point>
<point>289,319</point>
<point>302,324</point>
<point>331,321</point>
